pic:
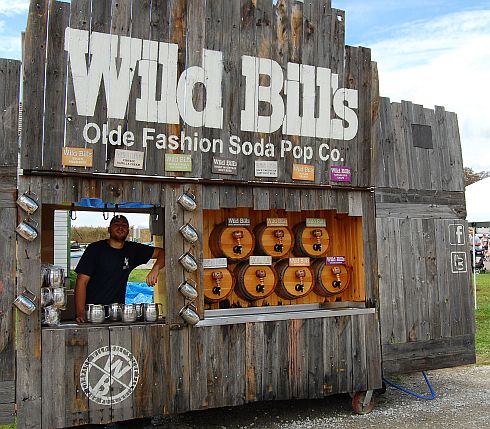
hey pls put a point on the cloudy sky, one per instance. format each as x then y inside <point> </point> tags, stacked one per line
<point>431,52</point>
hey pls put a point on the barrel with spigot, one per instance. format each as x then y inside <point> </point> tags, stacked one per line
<point>218,284</point>
<point>254,282</point>
<point>330,279</point>
<point>233,242</point>
<point>293,282</point>
<point>313,242</point>
<point>275,241</point>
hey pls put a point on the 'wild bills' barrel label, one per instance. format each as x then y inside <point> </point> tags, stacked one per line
<point>109,375</point>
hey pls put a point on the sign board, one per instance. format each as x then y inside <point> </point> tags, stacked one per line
<point>260,260</point>
<point>265,168</point>
<point>238,221</point>
<point>304,172</point>
<point>277,221</point>
<point>299,262</point>
<point>129,159</point>
<point>457,235</point>
<point>224,165</point>
<point>334,260</point>
<point>77,157</point>
<point>215,263</point>
<point>459,263</point>
<point>341,174</point>
<point>312,222</point>
<point>178,162</point>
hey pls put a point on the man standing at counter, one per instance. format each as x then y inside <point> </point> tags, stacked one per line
<point>104,268</point>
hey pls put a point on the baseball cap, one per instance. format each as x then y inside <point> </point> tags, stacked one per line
<point>119,219</point>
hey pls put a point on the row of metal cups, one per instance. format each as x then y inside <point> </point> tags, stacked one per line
<point>127,313</point>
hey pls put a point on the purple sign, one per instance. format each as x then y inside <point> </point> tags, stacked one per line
<point>340,174</point>
<point>335,260</point>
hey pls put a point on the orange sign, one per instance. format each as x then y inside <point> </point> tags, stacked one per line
<point>77,157</point>
<point>304,172</point>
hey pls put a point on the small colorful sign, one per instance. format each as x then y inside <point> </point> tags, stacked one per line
<point>77,157</point>
<point>340,174</point>
<point>277,221</point>
<point>238,221</point>
<point>313,222</point>
<point>299,262</point>
<point>304,172</point>
<point>335,260</point>
<point>129,159</point>
<point>215,263</point>
<point>224,166</point>
<point>266,169</point>
<point>260,260</point>
<point>178,162</point>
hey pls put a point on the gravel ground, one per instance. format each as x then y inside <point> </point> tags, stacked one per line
<point>462,401</point>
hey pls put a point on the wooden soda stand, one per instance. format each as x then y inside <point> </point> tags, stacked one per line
<point>329,222</point>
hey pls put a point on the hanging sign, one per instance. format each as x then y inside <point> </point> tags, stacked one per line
<point>312,222</point>
<point>215,263</point>
<point>224,166</point>
<point>265,168</point>
<point>335,260</point>
<point>178,162</point>
<point>341,174</point>
<point>260,260</point>
<point>299,262</point>
<point>304,172</point>
<point>129,159</point>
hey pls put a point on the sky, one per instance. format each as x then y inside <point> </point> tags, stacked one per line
<point>430,52</point>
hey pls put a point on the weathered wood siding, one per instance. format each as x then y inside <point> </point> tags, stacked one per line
<point>426,300</point>
<point>309,34</point>
<point>9,119</point>
<point>213,366</point>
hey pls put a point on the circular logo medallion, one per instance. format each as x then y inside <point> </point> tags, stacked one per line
<point>109,375</point>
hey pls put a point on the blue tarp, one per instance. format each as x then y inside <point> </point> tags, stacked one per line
<point>97,203</point>
<point>137,293</point>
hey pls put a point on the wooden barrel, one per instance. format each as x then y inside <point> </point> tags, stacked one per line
<point>275,241</point>
<point>254,282</point>
<point>290,283</point>
<point>233,242</point>
<point>331,279</point>
<point>218,284</point>
<point>313,242</point>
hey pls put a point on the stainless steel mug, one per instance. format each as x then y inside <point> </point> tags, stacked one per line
<point>187,201</point>
<point>188,290</point>
<point>55,276</point>
<point>25,302</point>
<point>88,312</point>
<point>26,230</point>
<point>46,297</point>
<point>115,312</point>
<point>139,311</point>
<point>27,202</point>
<point>97,313</point>
<point>188,262</point>
<point>151,312</point>
<point>188,313</point>
<point>51,316</point>
<point>128,313</point>
<point>59,297</point>
<point>189,233</point>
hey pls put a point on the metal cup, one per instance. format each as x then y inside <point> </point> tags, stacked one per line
<point>128,313</point>
<point>189,314</point>
<point>55,276</point>
<point>46,297</point>
<point>51,316</point>
<point>151,312</point>
<point>97,313</point>
<point>187,201</point>
<point>26,230</point>
<point>25,302</point>
<point>188,290</point>
<point>115,312</point>
<point>188,262</point>
<point>27,203</point>
<point>59,297</point>
<point>189,233</point>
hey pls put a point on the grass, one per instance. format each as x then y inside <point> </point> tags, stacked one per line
<point>483,319</point>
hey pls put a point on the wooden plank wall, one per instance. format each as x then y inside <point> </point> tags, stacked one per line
<point>310,33</point>
<point>9,121</point>
<point>426,309</point>
<point>225,365</point>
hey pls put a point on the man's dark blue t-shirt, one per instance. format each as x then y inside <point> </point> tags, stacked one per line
<point>109,269</point>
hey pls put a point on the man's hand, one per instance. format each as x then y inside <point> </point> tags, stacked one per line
<point>152,276</point>
<point>159,255</point>
<point>80,319</point>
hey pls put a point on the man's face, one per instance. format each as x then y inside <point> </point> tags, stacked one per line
<point>119,230</point>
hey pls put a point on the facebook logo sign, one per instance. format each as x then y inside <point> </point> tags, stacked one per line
<point>456,234</point>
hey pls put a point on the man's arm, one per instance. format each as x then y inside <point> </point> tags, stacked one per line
<point>80,296</point>
<point>152,276</point>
